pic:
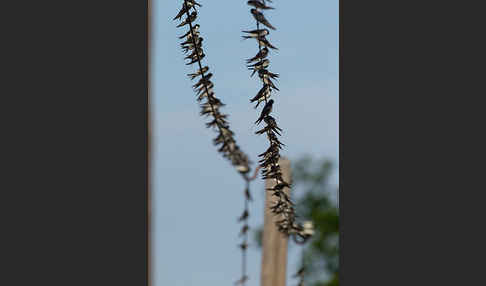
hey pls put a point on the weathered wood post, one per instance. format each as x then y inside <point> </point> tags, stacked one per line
<point>274,243</point>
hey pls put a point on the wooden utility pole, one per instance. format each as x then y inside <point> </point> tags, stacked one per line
<point>274,243</point>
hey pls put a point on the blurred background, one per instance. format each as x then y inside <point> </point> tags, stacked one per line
<point>197,194</point>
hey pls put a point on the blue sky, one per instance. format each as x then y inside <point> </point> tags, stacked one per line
<point>197,194</point>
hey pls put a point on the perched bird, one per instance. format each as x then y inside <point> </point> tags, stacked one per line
<point>183,10</point>
<point>195,29</point>
<point>266,111</point>
<point>204,80</point>
<point>266,80</point>
<point>262,41</point>
<point>244,229</point>
<point>193,60</point>
<point>273,138</point>
<point>260,18</point>
<point>209,86</point>
<point>258,4</point>
<point>217,121</point>
<point>190,41</point>
<point>215,102</point>
<point>248,195</point>
<point>300,272</point>
<point>189,19</point>
<point>264,72</point>
<point>256,33</point>
<point>194,55</point>
<point>205,94</point>
<point>192,2</point>
<point>272,123</point>
<point>188,48</point>
<point>258,66</point>
<point>263,98</point>
<point>198,73</point>
<point>243,246</point>
<point>243,216</point>
<point>242,168</point>
<point>279,186</point>
<point>242,280</point>
<point>263,92</point>
<point>263,53</point>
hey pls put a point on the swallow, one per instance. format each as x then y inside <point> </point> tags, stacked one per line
<point>194,55</point>
<point>204,80</point>
<point>263,53</point>
<point>277,207</point>
<point>258,4</point>
<point>226,132</point>
<point>264,72</point>
<point>266,80</point>
<point>273,175</point>
<point>279,186</point>
<point>266,129</point>
<point>183,10</point>
<point>280,195</point>
<point>260,18</point>
<point>219,139</point>
<point>273,138</point>
<point>189,19</point>
<point>242,168</point>
<point>195,59</point>
<point>256,33</point>
<point>272,123</point>
<point>248,195</point>
<point>261,93</point>
<point>217,121</point>
<point>262,97</point>
<point>227,147</point>
<point>270,160</point>
<point>243,216</point>
<point>206,94</point>
<point>244,229</point>
<point>215,101</point>
<point>192,3</point>
<point>198,73</point>
<point>209,86</point>
<point>277,176</point>
<point>262,41</point>
<point>189,48</point>
<point>258,66</point>
<point>271,150</point>
<point>242,280</point>
<point>266,111</point>
<point>191,42</point>
<point>195,30</point>
<point>300,272</point>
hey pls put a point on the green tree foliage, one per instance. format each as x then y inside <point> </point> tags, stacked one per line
<point>312,193</point>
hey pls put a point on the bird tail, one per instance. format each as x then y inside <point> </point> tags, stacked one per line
<point>266,23</point>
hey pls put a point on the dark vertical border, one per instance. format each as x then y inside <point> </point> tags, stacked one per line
<point>149,145</point>
<point>74,156</point>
